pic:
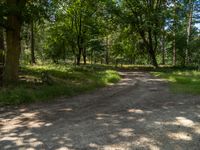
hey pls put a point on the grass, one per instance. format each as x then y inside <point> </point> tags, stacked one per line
<point>181,81</point>
<point>61,80</point>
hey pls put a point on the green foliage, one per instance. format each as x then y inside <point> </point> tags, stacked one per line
<point>64,80</point>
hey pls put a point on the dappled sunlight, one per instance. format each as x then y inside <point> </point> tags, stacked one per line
<point>30,78</point>
<point>137,111</point>
<point>93,145</point>
<point>144,142</point>
<point>196,129</point>
<point>156,80</point>
<point>179,121</point>
<point>184,122</point>
<point>99,118</point>
<point>25,119</point>
<point>180,136</point>
<point>22,141</point>
<point>126,132</point>
<point>18,129</point>
<point>121,146</point>
<point>66,109</point>
<point>131,118</point>
<point>126,82</point>
<point>141,120</point>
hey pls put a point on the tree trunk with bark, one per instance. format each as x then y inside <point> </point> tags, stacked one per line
<point>174,50</point>
<point>174,35</point>
<point>152,56</point>
<point>78,62</point>
<point>2,48</point>
<point>84,56</point>
<point>33,61</point>
<point>107,51</point>
<point>189,26</point>
<point>150,48</point>
<point>163,46</point>
<point>13,42</point>
<point>79,38</point>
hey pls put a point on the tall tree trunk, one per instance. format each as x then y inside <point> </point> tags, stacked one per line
<point>153,57</point>
<point>13,41</point>
<point>163,48</point>
<point>163,53</point>
<point>78,62</point>
<point>149,46</point>
<point>84,56</point>
<point>174,50</point>
<point>78,56</point>
<point>174,35</point>
<point>33,61</point>
<point>189,26</point>
<point>2,48</point>
<point>91,57</point>
<point>107,51</point>
<point>151,50</point>
<point>13,50</point>
<point>80,38</point>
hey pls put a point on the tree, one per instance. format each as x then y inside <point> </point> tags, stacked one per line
<point>174,32</point>
<point>15,13</point>
<point>189,27</point>
<point>33,61</point>
<point>14,21</point>
<point>146,16</point>
<point>2,49</point>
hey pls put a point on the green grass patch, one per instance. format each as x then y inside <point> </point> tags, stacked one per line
<point>182,81</point>
<point>61,80</point>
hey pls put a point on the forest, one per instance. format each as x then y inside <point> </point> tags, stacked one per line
<point>100,74</point>
<point>42,35</point>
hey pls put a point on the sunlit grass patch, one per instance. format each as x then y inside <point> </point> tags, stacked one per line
<point>64,80</point>
<point>182,81</point>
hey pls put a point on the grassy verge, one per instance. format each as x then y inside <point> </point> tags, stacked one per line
<point>182,81</point>
<point>43,83</point>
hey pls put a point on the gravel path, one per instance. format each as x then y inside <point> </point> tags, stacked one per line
<point>139,113</point>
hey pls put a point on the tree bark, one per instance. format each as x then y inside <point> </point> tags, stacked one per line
<point>152,50</point>
<point>2,48</point>
<point>107,51</point>
<point>174,35</point>
<point>153,57</point>
<point>78,62</point>
<point>163,47</point>
<point>84,56</point>
<point>163,53</point>
<point>13,42</point>
<point>33,61</point>
<point>80,38</point>
<point>174,50</point>
<point>149,45</point>
<point>189,26</point>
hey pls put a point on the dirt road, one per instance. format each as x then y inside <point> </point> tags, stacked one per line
<point>139,113</point>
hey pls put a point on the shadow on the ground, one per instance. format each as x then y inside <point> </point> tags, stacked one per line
<point>144,115</point>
